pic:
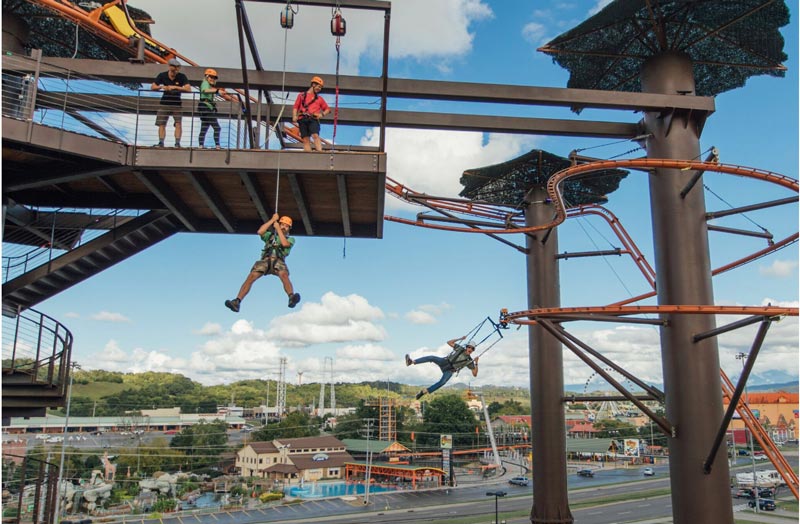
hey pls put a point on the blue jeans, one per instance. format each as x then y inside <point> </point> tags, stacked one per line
<point>444,365</point>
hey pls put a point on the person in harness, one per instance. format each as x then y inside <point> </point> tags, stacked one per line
<point>277,245</point>
<point>306,112</point>
<point>207,107</point>
<point>459,358</point>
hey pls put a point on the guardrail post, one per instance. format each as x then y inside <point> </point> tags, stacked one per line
<point>36,54</point>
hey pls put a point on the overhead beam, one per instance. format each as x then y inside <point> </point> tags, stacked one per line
<point>374,5</point>
<point>256,195</point>
<point>36,181</point>
<point>341,184</point>
<point>396,87</point>
<point>156,184</point>
<point>300,199</point>
<point>211,196</point>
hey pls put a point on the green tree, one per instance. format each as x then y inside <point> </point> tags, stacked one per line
<point>447,414</point>
<point>201,443</point>
<point>296,424</point>
<point>611,428</point>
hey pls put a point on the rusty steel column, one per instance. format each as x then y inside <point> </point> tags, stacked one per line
<point>693,394</point>
<point>548,436</point>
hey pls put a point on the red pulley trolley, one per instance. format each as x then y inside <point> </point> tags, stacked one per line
<point>338,24</point>
<point>287,17</point>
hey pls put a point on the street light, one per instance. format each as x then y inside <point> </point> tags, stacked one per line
<point>743,358</point>
<point>496,495</point>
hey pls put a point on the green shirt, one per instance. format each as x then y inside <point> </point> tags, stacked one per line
<point>207,98</point>
<point>272,245</point>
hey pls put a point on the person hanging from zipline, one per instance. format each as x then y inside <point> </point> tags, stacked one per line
<point>459,358</point>
<point>308,108</point>
<point>277,245</point>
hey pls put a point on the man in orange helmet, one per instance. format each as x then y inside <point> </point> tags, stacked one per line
<point>207,107</point>
<point>277,245</point>
<point>308,109</point>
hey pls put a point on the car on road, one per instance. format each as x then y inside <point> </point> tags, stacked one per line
<point>756,456</point>
<point>742,493</point>
<point>520,481</point>
<point>585,473</point>
<point>648,472</point>
<point>763,504</point>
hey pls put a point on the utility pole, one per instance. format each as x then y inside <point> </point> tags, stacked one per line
<point>57,513</point>
<point>743,358</point>
<point>369,422</point>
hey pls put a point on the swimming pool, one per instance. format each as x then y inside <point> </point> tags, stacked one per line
<point>315,490</point>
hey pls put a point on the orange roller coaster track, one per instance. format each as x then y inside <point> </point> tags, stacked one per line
<point>484,210</point>
<point>528,317</point>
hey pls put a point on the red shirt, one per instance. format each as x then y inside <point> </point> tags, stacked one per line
<point>307,103</point>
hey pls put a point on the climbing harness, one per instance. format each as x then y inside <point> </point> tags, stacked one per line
<point>338,29</point>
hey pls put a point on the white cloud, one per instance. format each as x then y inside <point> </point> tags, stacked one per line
<point>535,33</point>
<point>107,316</point>
<point>309,45</point>
<point>432,162</point>
<point>210,328</point>
<point>598,6</point>
<point>779,269</point>
<point>420,317</point>
<point>333,319</point>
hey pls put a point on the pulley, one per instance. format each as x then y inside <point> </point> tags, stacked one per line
<point>287,17</point>
<point>338,24</point>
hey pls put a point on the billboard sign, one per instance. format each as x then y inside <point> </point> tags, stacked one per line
<point>446,441</point>
<point>631,447</point>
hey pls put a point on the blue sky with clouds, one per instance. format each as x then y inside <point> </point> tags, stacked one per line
<point>368,302</point>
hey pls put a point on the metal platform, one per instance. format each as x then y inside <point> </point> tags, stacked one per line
<point>211,191</point>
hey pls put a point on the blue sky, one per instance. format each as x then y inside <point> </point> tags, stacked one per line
<point>412,290</point>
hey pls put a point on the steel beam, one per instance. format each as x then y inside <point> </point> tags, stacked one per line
<point>158,186</point>
<point>301,201</point>
<point>36,180</point>
<point>256,195</point>
<point>548,441</point>
<point>341,184</point>
<point>204,188</point>
<point>683,276</point>
<point>396,87</point>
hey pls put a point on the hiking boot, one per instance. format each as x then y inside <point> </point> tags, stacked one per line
<point>294,298</point>
<point>421,393</point>
<point>233,305</point>
<point>409,360</point>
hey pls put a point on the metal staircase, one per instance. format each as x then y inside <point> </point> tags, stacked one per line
<point>52,276</point>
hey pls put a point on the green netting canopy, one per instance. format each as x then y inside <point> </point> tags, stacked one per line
<point>728,41</point>
<point>56,35</point>
<point>509,182</point>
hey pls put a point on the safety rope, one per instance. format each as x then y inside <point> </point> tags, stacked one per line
<point>283,106</point>
<point>474,331</point>
<point>336,13</point>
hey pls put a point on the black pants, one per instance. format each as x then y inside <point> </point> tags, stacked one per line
<point>208,118</point>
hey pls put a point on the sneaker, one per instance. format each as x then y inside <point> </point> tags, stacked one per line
<point>409,361</point>
<point>177,143</point>
<point>421,393</point>
<point>160,144</point>
<point>217,147</point>
<point>294,298</point>
<point>233,305</point>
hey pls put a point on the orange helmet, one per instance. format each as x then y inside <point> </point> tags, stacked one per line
<point>317,80</point>
<point>285,219</point>
<point>211,72</point>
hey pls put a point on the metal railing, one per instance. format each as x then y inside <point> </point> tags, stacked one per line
<point>39,346</point>
<point>38,92</point>
<point>35,236</point>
